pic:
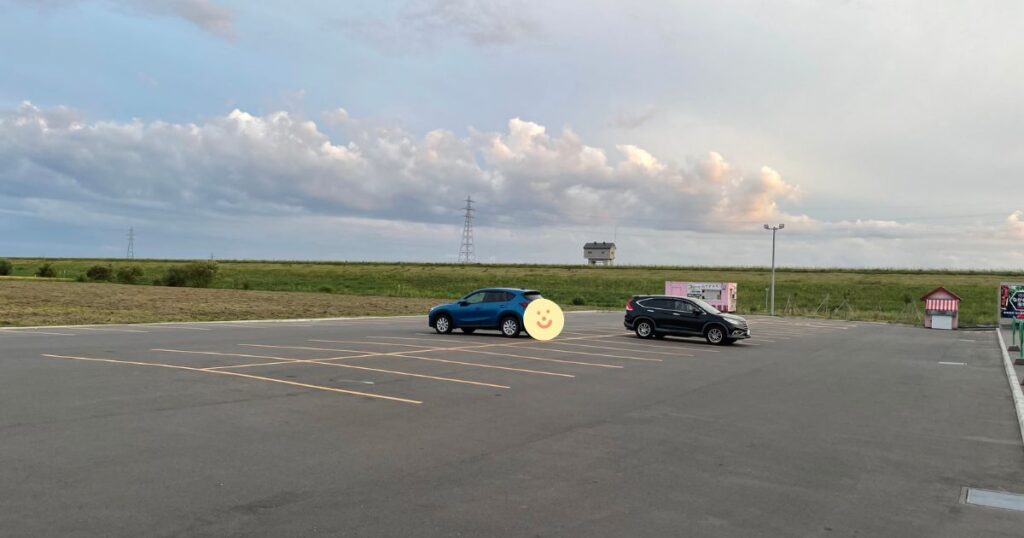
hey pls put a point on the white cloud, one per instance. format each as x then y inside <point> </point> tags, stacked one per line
<point>1015,222</point>
<point>284,164</point>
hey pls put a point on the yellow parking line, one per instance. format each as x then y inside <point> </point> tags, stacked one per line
<point>222,354</point>
<point>590,354</point>
<point>309,348</point>
<point>287,360</point>
<point>669,344</point>
<point>8,331</point>
<point>403,355</point>
<point>410,374</point>
<point>625,349</point>
<point>503,354</point>
<point>365,342</point>
<point>508,368</point>
<point>175,327</point>
<point>104,329</point>
<point>247,376</point>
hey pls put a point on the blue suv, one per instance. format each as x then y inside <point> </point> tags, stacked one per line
<point>492,308</point>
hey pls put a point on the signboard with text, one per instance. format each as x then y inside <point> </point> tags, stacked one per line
<point>1011,301</point>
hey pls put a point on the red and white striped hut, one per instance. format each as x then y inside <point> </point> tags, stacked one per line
<point>941,309</point>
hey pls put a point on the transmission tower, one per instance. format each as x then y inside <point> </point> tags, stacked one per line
<point>466,253</point>
<point>131,244</point>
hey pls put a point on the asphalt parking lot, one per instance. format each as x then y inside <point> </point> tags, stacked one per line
<point>378,427</point>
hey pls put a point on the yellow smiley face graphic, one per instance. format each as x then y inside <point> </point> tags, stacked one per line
<point>543,319</point>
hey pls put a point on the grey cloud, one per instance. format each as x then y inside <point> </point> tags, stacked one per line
<point>633,118</point>
<point>421,24</point>
<point>207,15</point>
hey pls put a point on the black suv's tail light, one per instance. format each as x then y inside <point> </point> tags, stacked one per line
<point>629,305</point>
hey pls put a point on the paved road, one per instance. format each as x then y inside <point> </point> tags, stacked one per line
<point>378,428</point>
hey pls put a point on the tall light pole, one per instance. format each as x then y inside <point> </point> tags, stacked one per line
<point>774,229</point>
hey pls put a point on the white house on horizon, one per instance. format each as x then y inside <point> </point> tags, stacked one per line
<point>599,253</point>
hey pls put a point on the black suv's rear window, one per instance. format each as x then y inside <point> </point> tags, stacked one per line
<point>666,304</point>
<point>532,296</point>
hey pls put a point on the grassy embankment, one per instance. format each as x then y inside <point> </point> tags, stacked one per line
<point>876,294</point>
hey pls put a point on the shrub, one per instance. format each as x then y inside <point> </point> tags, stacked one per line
<point>46,270</point>
<point>579,301</point>
<point>100,272</point>
<point>6,268</point>
<point>191,275</point>
<point>130,274</point>
<point>326,289</point>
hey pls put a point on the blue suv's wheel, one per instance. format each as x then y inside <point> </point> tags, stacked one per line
<point>443,324</point>
<point>510,326</point>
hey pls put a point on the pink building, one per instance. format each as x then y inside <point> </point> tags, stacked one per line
<point>941,309</point>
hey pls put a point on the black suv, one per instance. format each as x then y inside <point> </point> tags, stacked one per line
<point>655,316</point>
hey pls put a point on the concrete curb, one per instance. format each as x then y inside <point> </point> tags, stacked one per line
<point>1011,377</point>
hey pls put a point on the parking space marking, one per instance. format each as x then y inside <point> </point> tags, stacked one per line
<point>406,355</point>
<point>163,326</point>
<point>773,335</point>
<point>784,331</point>
<point>481,365</point>
<point>105,329</point>
<point>670,344</point>
<point>220,354</point>
<point>361,353</point>
<point>247,376</point>
<point>803,325</point>
<point>288,360</point>
<point>952,363</point>
<point>242,326</point>
<point>590,354</point>
<point>625,349</point>
<point>366,342</point>
<point>449,338</point>
<point>18,332</point>
<point>527,357</point>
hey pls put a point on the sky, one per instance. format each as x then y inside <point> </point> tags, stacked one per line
<point>881,133</point>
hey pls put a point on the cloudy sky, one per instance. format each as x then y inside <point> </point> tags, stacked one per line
<point>882,133</point>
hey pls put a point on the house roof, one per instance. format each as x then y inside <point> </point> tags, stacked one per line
<point>599,245</point>
<point>937,290</point>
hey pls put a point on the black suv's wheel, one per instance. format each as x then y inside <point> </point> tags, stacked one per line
<point>715,334</point>
<point>469,331</point>
<point>510,327</point>
<point>443,324</point>
<point>644,329</point>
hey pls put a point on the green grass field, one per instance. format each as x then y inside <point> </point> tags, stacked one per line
<point>872,294</point>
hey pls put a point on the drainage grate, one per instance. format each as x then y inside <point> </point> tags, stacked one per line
<point>995,499</point>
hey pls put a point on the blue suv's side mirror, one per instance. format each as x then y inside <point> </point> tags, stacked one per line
<point>463,303</point>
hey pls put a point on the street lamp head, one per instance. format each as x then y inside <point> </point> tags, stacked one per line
<point>781,226</point>
<point>766,227</point>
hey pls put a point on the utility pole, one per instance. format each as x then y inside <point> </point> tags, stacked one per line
<point>131,244</point>
<point>466,250</point>
<point>774,229</point>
